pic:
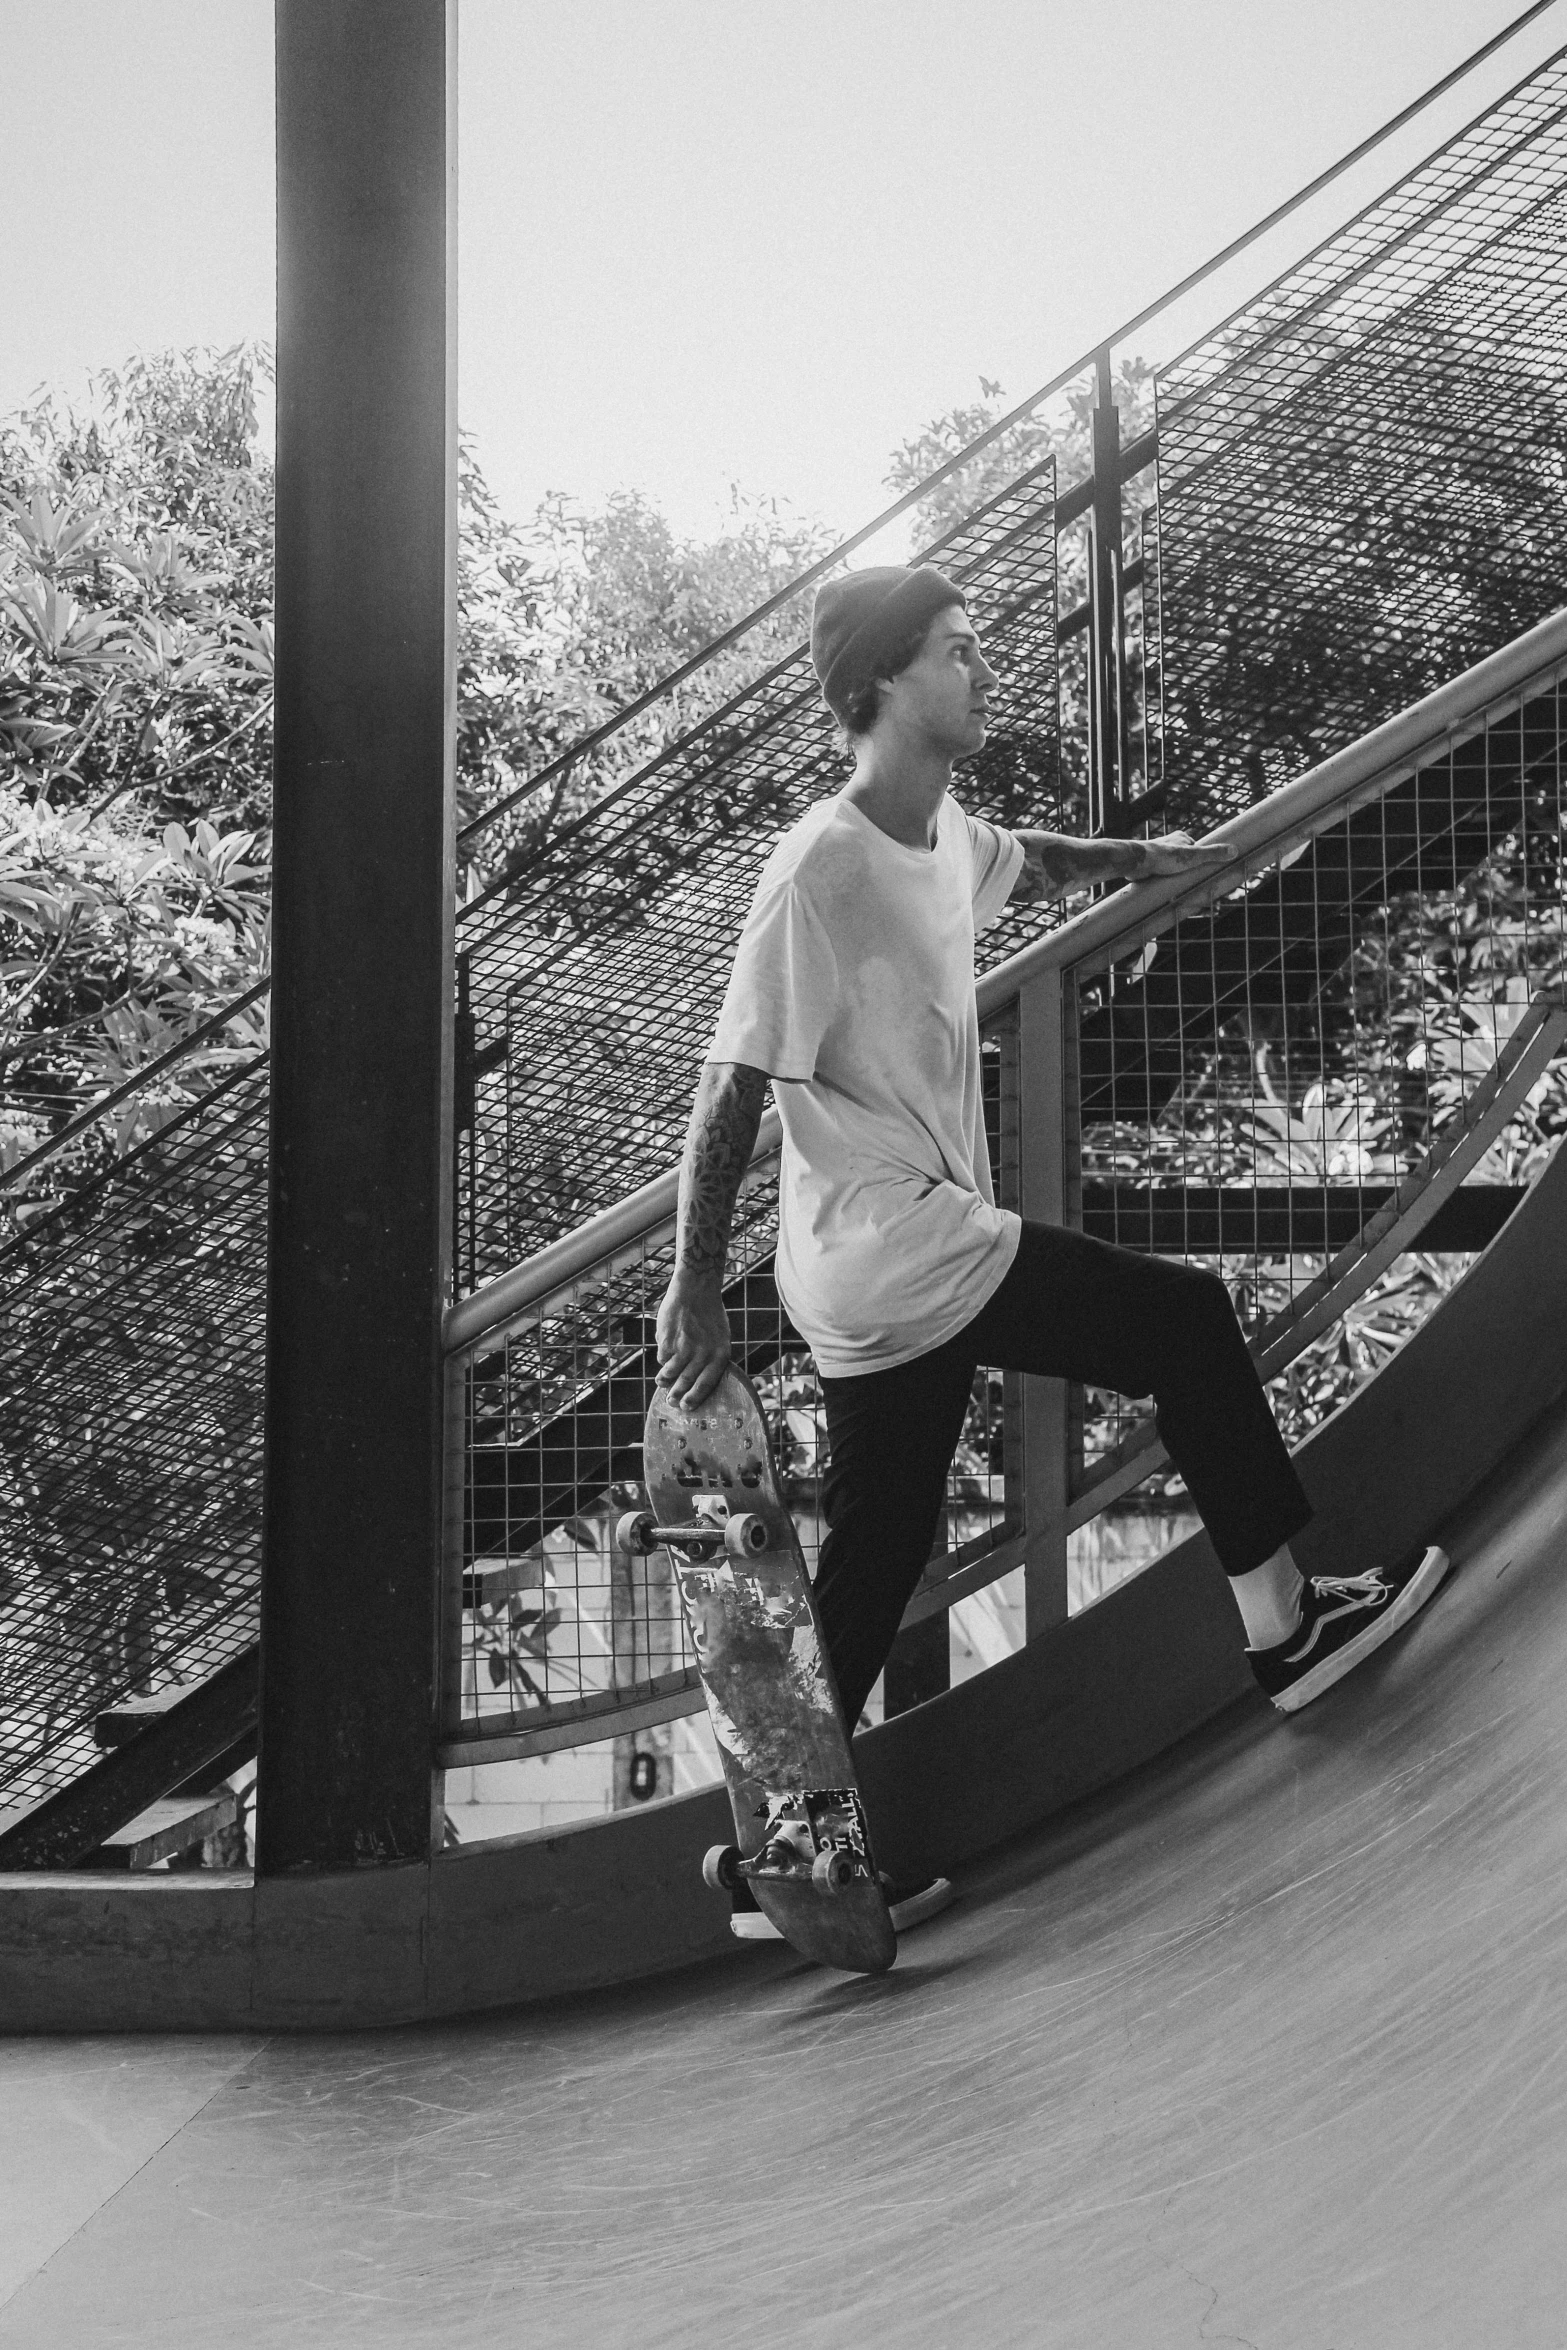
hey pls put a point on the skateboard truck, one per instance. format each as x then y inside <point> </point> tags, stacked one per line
<point>820,1834</point>
<point>746,1536</point>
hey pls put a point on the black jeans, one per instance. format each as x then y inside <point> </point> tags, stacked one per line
<point>1069,1308</point>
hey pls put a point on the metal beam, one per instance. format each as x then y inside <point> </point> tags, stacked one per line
<point>362,987</point>
<point>1278,1219</point>
<point>197,1736</point>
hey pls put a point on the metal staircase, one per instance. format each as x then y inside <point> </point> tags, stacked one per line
<point>1353,495</point>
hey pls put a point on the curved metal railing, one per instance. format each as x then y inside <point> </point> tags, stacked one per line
<point>1343,1030</point>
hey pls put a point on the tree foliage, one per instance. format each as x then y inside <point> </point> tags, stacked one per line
<point>135,731</point>
<point>1350,549</point>
<point>570,620</point>
<point>136,714</point>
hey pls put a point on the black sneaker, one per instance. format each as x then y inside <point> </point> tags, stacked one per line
<point>912,1901</point>
<point>1342,1619</point>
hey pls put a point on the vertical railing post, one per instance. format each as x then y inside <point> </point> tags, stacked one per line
<point>1045,1402</point>
<point>464,1120</point>
<point>1107,652</point>
<point>456,1541</point>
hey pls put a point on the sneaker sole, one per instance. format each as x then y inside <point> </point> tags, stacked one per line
<point>1425,1580</point>
<point>754,1926</point>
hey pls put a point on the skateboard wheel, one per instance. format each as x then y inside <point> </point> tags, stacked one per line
<point>720,1867</point>
<point>832,1870</point>
<point>632,1531</point>
<point>745,1535</point>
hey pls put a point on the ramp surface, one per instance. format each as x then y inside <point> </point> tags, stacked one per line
<point>1269,2045</point>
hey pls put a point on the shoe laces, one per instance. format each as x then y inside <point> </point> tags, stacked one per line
<point>1348,1586</point>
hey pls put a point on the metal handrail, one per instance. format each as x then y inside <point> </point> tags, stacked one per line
<point>617,1712</point>
<point>1370,766</point>
<point>1264,837</point>
<point>641,1217</point>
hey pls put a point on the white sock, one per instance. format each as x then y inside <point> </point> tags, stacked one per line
<point>1269,1599</point>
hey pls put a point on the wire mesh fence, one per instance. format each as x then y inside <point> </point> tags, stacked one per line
<point>131,1338</point>
<point>83,1145</point>
<point>1259,1079</point>
<point>1361,490</point>
<point>555,1622</point>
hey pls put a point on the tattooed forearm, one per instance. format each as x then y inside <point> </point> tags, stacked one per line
<point>719,1143</point>
<point>1054,863</point>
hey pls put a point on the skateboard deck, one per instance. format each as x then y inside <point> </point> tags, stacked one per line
<point>801,1837</point>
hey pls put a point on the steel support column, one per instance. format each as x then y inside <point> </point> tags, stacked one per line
<point>362,994</point>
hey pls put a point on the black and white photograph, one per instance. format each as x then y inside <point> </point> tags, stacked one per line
<point>783,1285</point>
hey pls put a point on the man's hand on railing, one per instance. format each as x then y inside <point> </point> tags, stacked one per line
<point>693,1338</point>
<point>1055,863</point>
<point>1178,853</point>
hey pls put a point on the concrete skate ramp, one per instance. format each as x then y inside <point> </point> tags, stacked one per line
<point>536,1916</point>
<point>1268,2044</point>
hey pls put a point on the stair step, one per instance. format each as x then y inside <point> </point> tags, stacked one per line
<point>129,1715</point>
<point>166,1828</point>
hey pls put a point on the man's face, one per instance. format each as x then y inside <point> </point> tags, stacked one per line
<point>941,696</point>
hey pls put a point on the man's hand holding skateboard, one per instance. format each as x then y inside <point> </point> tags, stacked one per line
<point>693,1338</point>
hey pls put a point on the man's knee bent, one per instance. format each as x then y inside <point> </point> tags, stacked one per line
<point>1202,1314</point>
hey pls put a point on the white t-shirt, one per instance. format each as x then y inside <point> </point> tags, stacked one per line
<point>853,987</point>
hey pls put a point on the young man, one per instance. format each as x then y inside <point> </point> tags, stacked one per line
<point>853,993</point>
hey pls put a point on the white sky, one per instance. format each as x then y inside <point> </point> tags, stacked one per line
<point>715,241</point>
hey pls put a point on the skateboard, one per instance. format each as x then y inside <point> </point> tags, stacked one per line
<point>802,1841</point>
